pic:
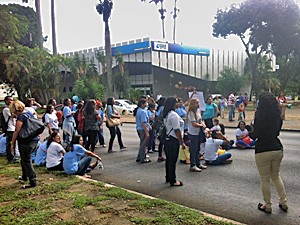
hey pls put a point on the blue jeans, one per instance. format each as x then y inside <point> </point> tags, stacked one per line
<point>231,112</point>
<point>83,164</point>
<point>243,144</point>
<point>194,150</point>
<point>221,159</point>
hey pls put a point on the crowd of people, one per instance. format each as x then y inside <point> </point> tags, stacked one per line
<point>184,126</point>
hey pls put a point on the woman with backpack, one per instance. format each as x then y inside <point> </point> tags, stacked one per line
<point>159,112</point>
<point>26,146</point>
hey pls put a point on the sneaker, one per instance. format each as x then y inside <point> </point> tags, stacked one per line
<point>228,161</point>
<point>22,178</point>
<point>283,207</point>
<point>201,166</point>
<point>104,146</point>
<point>111,151</point>
<point>195,169</point>
<point>123,148</point>
<point>161,159</point>
<point>150,151</point>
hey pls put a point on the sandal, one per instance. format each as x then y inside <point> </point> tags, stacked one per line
<point>263,208</point>
<point>146,161</point>
<point>283,207</point>
<point>87,176</point>
<point>176,184</point>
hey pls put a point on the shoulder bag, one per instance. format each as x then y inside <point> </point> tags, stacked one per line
<point>112,122</point>
<point>31,128</point>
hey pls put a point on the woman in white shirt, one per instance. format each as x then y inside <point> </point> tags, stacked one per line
<point>194,124</point>
<point>51,119</point>
<point>55,153</point>
<point>174,131</point>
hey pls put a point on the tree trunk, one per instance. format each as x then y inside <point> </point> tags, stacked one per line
<point>108,54</point>
<point>39,24</point>
<point>53,28</point>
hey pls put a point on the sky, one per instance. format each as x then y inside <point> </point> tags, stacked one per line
<point>79,26</point>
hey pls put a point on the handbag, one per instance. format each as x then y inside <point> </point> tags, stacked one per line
<point>31,128</point>
<point>112,122</point>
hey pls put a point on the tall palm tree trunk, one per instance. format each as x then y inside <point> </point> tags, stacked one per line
<point>53,28</point>
<point>39,23</point>
<point>108,55</point>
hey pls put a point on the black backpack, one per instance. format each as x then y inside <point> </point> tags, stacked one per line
<point>162,131</point>
<point>3,123</point>
<point>158,122</point>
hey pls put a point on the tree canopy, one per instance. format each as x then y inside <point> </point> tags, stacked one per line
<point>261,26</point>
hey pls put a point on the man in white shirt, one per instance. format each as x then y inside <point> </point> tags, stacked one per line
<point>11,126</point>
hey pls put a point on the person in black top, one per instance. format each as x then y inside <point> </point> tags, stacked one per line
<point>268,149</point>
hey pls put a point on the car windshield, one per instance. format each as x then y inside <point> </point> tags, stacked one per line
<point>128,102</point>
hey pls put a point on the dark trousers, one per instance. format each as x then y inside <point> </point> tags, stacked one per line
<point>83,164</point>
<point>26,163</point>
<point>113,132</point>
<point>208,122</point>
<point>91,139</point>
<point>151,143</point>
<point>172,149</point>
<point>9,155</point>
<point>59,167</point>
<point>100,137</point>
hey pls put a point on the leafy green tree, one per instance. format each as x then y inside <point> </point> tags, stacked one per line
<point>121,83</point>
<point>229,81</point>
<point>259,25</point>
<point>133,94</point>
<point>86,88</point>
<point>100,56</point>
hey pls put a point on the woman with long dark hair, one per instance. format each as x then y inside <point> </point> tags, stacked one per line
<point>77,159</point>
<point>174,131</point>
<point>51,119</point>
<point>142,127</point>
<point>91,128</point>
<point>115,130</point>
<point>269,150</point>
<point>159,111</point>
<point>55,152</point>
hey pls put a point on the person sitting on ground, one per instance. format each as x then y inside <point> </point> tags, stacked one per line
<point>212,146</point>
<point>216,124</point>
<point>55,153</point>
<point>231,142</point>
<point>77,159</point>
<point>243,140</point>
<point>41,154</point>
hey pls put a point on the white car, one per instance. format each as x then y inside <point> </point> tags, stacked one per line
<point>123,105</point>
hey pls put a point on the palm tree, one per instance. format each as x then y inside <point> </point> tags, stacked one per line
<point>100,56</point>
<point>54,47</point>
<point>175,13</point>
<point>161,12</point>
<point>39,22</point>
<point>104,8</point>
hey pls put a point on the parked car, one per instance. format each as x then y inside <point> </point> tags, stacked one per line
<point>124,106</point>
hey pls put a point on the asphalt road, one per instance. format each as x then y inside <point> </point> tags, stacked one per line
<point>231,191</point>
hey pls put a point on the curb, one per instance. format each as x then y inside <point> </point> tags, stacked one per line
<point>222,219</point>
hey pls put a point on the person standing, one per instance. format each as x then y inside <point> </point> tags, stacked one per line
<point>231,105</point>
<point>100,124</point>
<point>269,150</point>
<point>69,121</point>
<point>51,119</point>
<point>26,146</point>
<point>91,128</point>
<point>159,112</point>
<point>282,104</point>
<point>174,130</point>
<point>194,124</point>
<point>115,130</point>
<point>31,106</point>
<point>142,127</point>
<point>211,111</point>
<point>10,128</point>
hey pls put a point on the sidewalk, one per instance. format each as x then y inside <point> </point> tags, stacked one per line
<point>292,122</point>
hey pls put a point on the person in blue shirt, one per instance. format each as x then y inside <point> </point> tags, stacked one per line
<point>41,154</point>
<point>142,127</point>
<point>211,111</point>
<point>181,111</point>
<point>69,121</point>
<point>100,136</point>
<point>77,159</point>
<point>152,132</point>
